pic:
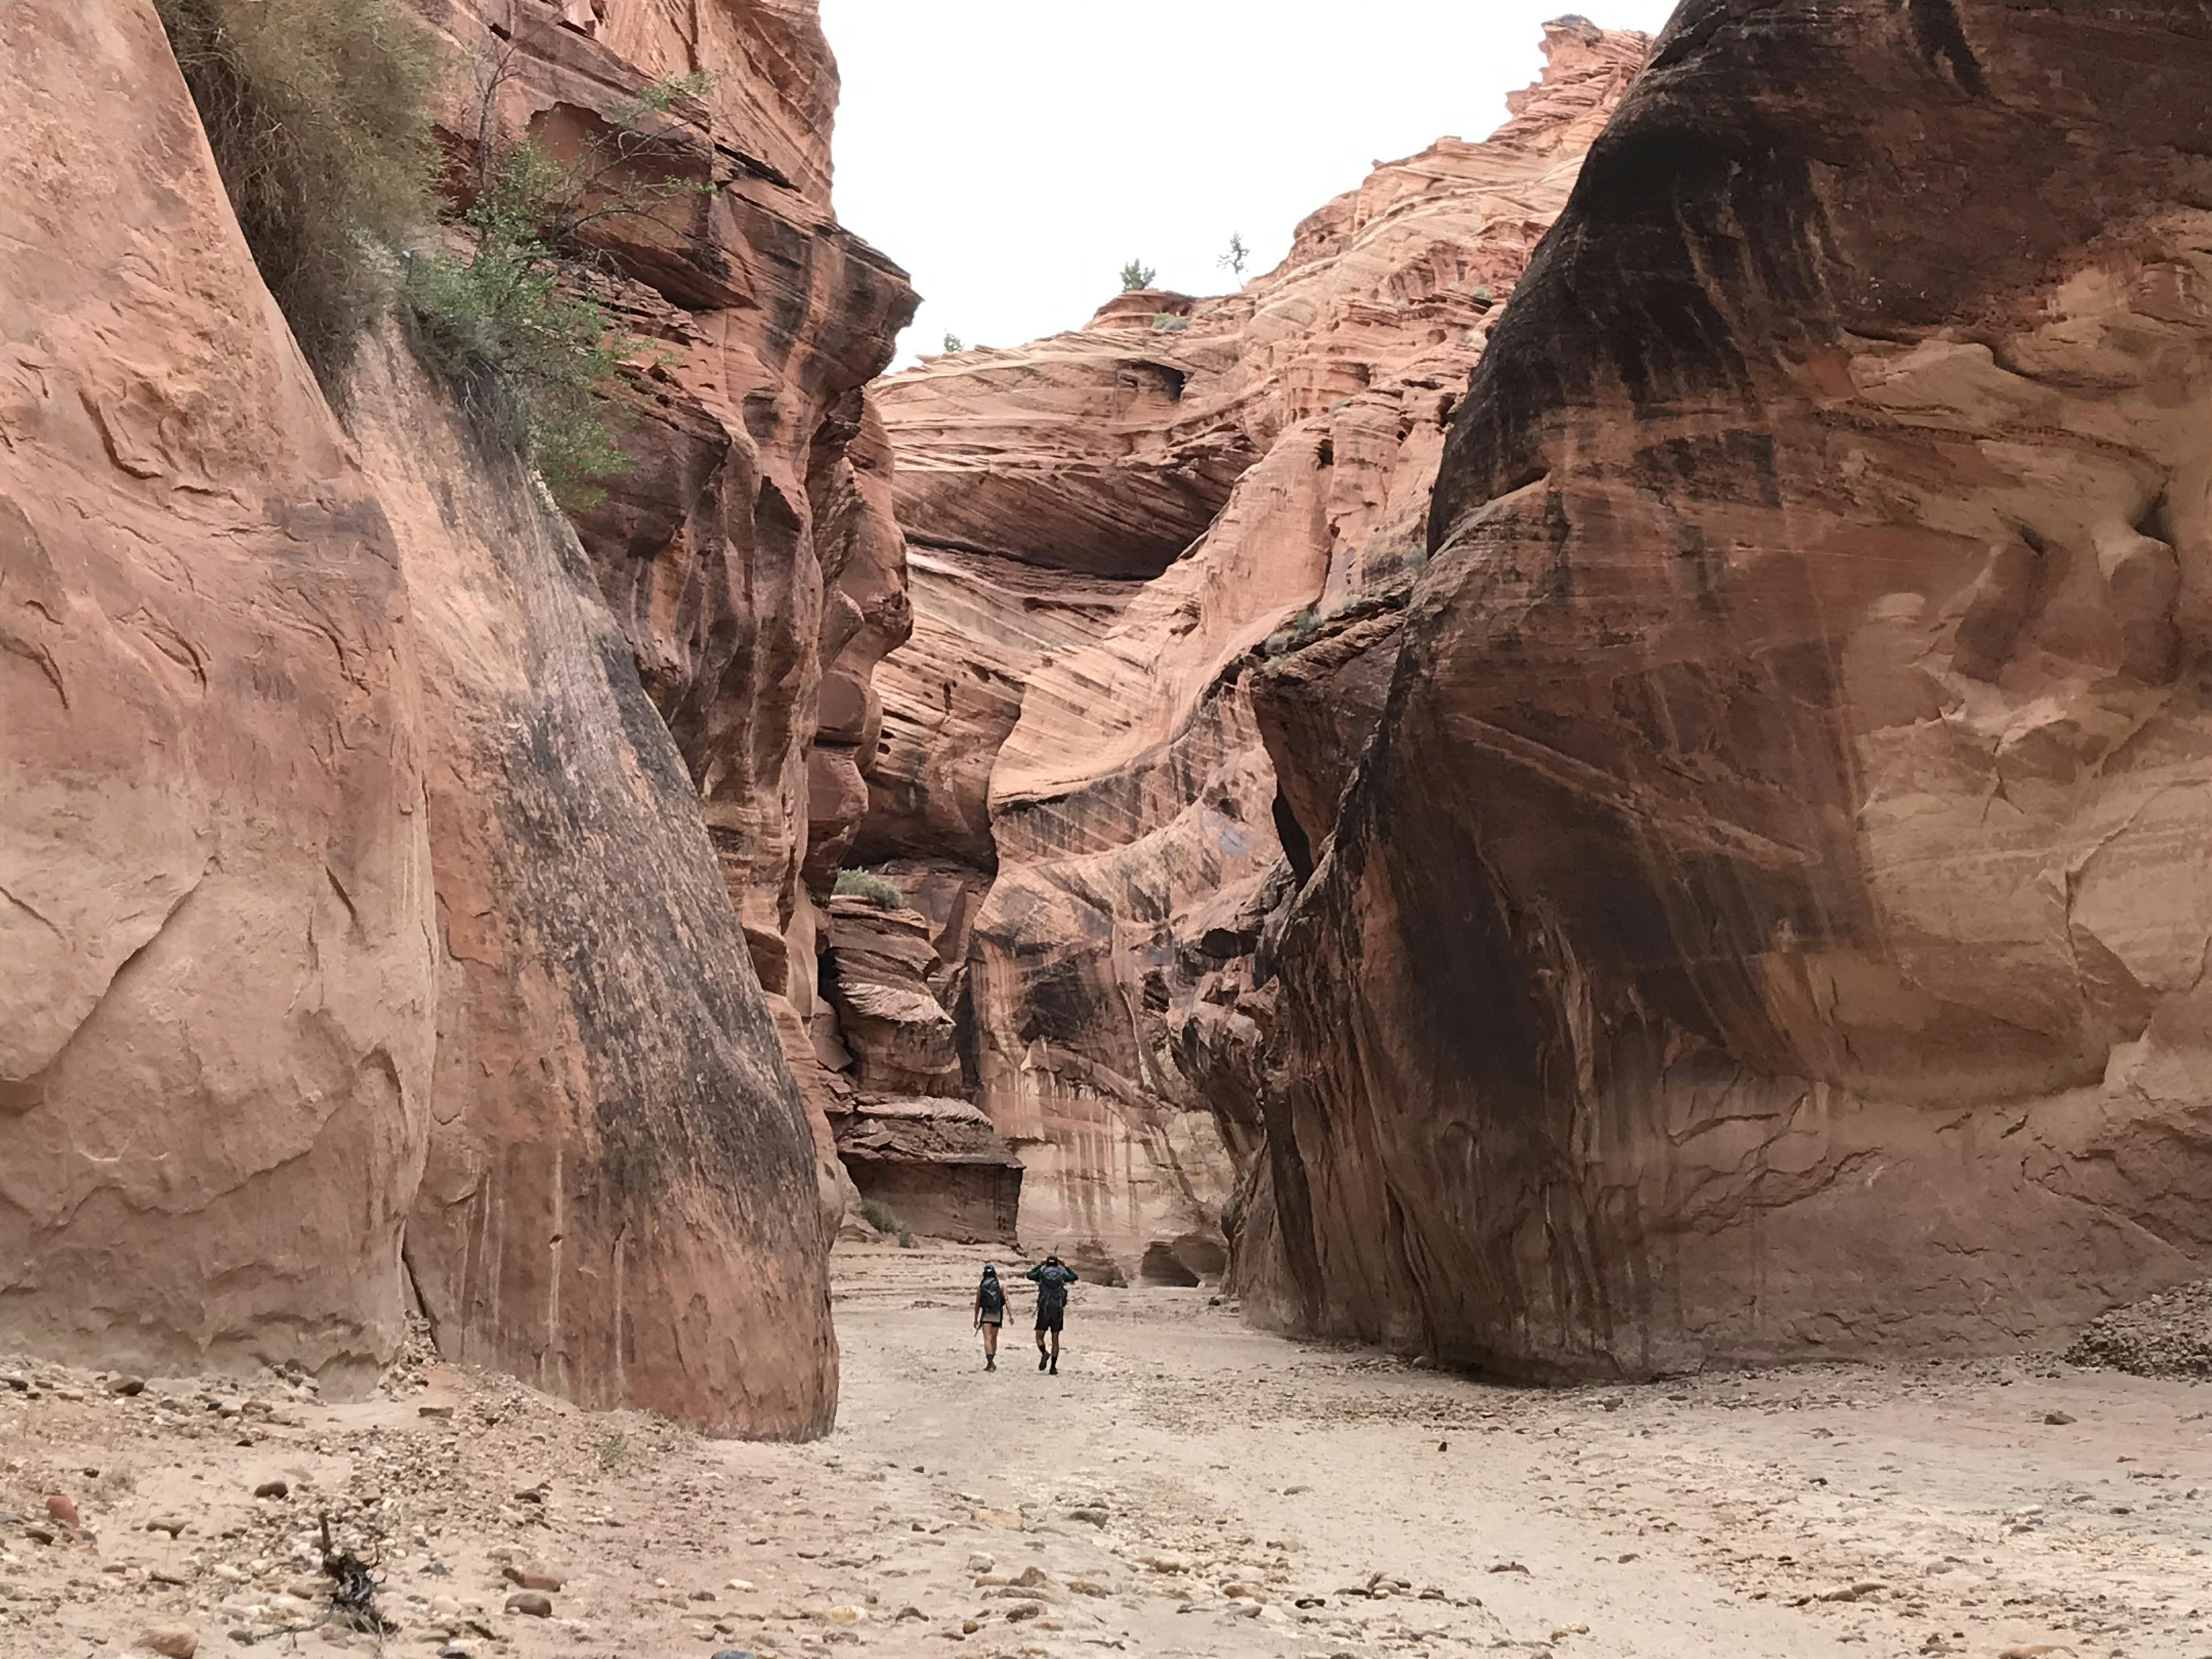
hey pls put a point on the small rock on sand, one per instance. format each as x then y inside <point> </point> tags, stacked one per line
<point>273,1489</point>
<point>531,1604</point>
<point>170,1642</point>
<point>62,1509</point>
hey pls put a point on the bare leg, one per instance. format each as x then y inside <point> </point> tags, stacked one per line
<point>990,1341</point>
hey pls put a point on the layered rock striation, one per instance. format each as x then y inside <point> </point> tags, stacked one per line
<point>391,874</point>
<point>1114,528</point>
<point>1769,920</point>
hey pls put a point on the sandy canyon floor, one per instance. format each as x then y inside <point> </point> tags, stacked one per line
<point>1184,1486</point>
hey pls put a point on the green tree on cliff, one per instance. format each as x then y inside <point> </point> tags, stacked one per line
<point>515,325</point>
<point>1136,274</point>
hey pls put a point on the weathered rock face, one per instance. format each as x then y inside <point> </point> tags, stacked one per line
<point>216,987</point>
<point>750,554</point>
<point>1771,918</point>
<point>888,1016</point>
<point>620,1201</point>
<point>1118,1002</point>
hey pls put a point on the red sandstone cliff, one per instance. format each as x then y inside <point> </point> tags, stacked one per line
<point>218,1012</point>
<point>385,870</point>
<point>1108,524</point>
<point>1771,918</point>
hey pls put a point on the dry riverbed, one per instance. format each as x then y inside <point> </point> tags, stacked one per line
<point>1185,1486</point>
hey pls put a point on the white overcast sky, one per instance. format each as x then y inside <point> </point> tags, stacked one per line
<point>1013,154</point>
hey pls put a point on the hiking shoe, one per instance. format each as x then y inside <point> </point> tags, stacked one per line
<point>990,1363</point>
<point>1055,1365</point>
<point>1040,1358</point>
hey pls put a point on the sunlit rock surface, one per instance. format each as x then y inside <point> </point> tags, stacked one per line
<point>216,975</point>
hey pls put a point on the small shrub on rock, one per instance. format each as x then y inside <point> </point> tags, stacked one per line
<point>318,114</point>
<point>869,885</point>
<point>510,325</point>
<point>524,354</point>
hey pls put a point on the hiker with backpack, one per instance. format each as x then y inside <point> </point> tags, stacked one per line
<point>990,1315</point>
<point>1052,1279</point>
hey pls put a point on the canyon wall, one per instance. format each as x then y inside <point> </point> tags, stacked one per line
<point>1769,919</point>
<point>1114,528</point>
<point>388,869</point>
<point>749,554</point>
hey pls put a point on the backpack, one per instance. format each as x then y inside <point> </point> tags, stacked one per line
<point>992,1297</point>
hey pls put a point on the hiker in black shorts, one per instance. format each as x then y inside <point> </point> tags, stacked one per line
<point>1052,1282</point>
<point>990,1313</point>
